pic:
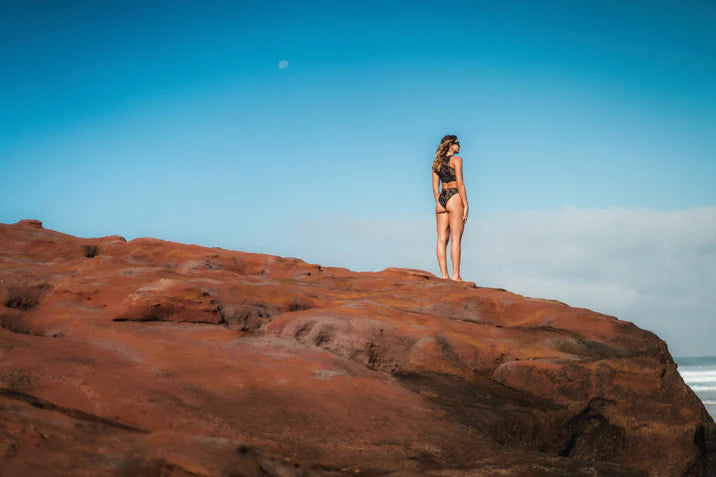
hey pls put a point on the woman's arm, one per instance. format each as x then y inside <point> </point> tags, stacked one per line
<point>436,186</point>
<point>461,185</point>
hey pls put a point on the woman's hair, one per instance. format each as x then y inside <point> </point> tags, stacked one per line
<point>440,154</point>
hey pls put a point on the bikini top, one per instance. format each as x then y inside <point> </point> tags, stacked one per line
<point>446,172</point>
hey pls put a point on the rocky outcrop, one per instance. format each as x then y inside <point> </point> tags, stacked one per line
<point>157,358</point>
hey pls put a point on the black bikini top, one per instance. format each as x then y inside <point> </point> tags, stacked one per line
<point>446,172</point>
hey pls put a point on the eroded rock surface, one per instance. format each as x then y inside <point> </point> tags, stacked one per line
<point>157,358</point>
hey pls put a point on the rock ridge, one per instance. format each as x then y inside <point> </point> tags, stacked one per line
<point>149,357</point>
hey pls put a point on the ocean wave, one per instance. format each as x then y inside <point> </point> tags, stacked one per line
<point>710,371</point>
<point>703,388</point>
<point>697,381</point>
<point>701,376</point>
<point>710,402</point>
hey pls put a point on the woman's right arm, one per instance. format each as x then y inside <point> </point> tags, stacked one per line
<point>436,186</point>
<point>461,186</point>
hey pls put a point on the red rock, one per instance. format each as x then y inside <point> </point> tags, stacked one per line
<point>157,358</point>
<point>171,300</point>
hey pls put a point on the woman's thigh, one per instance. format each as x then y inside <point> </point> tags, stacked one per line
<point>442,219</point>
<point>455,210</point>
<point>454,204</point>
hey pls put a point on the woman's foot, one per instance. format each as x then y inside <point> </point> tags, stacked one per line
<point>457,279</point>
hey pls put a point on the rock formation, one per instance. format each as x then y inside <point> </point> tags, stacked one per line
<point>157,358</point>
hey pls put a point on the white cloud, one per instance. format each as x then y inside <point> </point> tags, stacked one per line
<point>282,65</point>
<point>655,268</point>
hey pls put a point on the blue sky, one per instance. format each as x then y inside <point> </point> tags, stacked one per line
<point>174,120</point>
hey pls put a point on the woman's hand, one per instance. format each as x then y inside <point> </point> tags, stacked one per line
<point>464,214</point>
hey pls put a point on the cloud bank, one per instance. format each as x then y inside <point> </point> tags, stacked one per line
<point>654,268</point>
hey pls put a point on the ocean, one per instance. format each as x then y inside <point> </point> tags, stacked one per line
<point>700,375</point>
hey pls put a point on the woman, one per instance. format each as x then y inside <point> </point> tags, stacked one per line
<point>450,204</point>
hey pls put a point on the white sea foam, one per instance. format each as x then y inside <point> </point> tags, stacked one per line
<point>697,381</point>
<point>710,402</point>
<point>700,380</point>
<point>708,376</point>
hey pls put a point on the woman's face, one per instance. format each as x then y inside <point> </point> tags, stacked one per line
<point>455,146</point>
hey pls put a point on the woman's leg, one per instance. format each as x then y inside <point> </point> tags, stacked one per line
<point>441,216</point>
<point>456,225</point>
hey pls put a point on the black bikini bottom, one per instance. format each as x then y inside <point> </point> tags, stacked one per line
<point>445,196</point>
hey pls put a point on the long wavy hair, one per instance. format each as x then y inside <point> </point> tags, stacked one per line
<point>441,152</point>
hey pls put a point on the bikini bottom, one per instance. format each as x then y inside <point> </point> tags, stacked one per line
<point>445,196</point>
